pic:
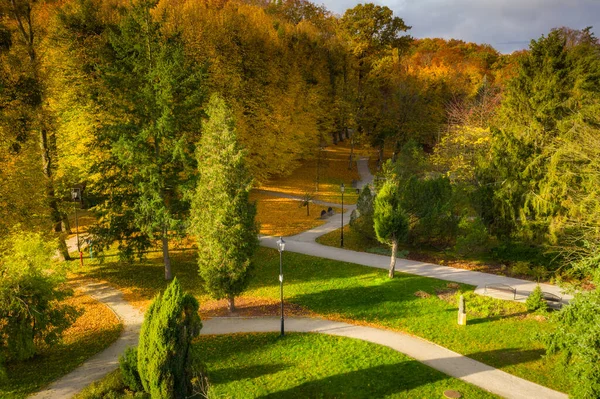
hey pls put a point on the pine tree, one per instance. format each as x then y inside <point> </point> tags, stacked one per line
<point>164,360</point>
<point>153,95</point>
<point>222,217</point>
<point>390,220</point>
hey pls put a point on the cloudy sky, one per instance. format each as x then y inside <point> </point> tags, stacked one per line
<point>507,25</point>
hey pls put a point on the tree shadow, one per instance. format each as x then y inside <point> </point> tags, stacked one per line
<point>226,375</point>
<point>387,301</point>
<point>508,356</point>
<point>373,382</point>
<point>489,319</point>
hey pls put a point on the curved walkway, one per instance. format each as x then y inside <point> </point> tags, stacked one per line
<point>434,356</point>
<point>106,361</point>
<point>304,243</point>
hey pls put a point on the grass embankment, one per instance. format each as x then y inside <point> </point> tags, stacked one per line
<point>499,333</point>
<point>333,171</point>
<point>95,329</point>
<point>285,217</point>
<point>310,366</point>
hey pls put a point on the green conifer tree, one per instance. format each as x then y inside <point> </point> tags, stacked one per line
<point>164,360</point>
<point>222,217</point>
<point>391,221</point>
<point>153,97</point>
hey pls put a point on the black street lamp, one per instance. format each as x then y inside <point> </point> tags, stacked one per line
<point>342,240</point>
<point>281,247</point>
<point>76,196</point>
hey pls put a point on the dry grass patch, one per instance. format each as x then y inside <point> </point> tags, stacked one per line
<point>252,307</point>
<point>333,171</point>
<point>285,217</point>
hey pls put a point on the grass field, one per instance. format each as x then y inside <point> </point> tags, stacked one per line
<point>501,334</point>
<point>309,366</point>
<point>285,217</point>
<point>332,170</point>
<point>95,329</point>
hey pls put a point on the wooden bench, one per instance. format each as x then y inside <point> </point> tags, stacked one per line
<point>501,287</point>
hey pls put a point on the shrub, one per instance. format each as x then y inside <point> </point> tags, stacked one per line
<point>535,301</point>
<point>30,295</point>
<point>164,360</point>
<point>362,220</point>
<point>473,237</point>
<point>129,369</point>
<point>431,206</point>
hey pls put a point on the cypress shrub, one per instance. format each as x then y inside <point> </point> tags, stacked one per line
<point>129,369</point>
<point>535,301</point>
<point>164,359</point>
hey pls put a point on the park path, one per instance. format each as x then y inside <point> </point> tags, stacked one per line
<point>103,362</point>
<point>304,243</point>
<point>432,355</point>
<point>435,356</point>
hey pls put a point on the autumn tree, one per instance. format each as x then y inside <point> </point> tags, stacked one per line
<point>26,117</point>
<point>222,216</point>
<point>372,31</point>
<point>153,95</point>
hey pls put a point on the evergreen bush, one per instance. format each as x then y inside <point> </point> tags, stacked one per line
<point>535,301</point>
<point>473,237</point>
<point>129,369</point>
<point>164,360</point>
<point>31,291</point>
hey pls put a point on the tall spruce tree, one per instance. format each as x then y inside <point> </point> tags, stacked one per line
<point>154,98</point>
<point>547,109</point>
<point>222,216</point>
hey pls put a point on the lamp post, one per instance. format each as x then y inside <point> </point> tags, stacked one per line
<point>342,240</point>
<point>76,196</point>
<point>281,247</point>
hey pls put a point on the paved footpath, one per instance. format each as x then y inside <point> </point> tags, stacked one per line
<point>304,243</point>
<point>435,356</point>
<point>106,361</point>
<point>432,355</point>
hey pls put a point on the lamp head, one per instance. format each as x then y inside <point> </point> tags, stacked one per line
<point>342,187</point>
<point>280,244</point>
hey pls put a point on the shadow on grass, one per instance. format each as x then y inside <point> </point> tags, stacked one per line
<point>387,300</point>
<point>224,376</point>
<point>489,319</point>
<point>508,357</point>
<point>373,382</point>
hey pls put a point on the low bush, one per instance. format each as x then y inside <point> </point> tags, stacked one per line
<point>535,301</point>
<point>30,293</point>
<point>129,369</point>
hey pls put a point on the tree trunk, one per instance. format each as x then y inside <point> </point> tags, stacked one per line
<point>380,155</point>
<point>63,250</point>
<point>393,260</point>
<point>351,153</point>
<point>231,304</point>
<point>307,210</point>
<point>166,258</point>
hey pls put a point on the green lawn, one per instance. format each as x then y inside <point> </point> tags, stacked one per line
<point>311,366</point>
<point>499,333</point>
